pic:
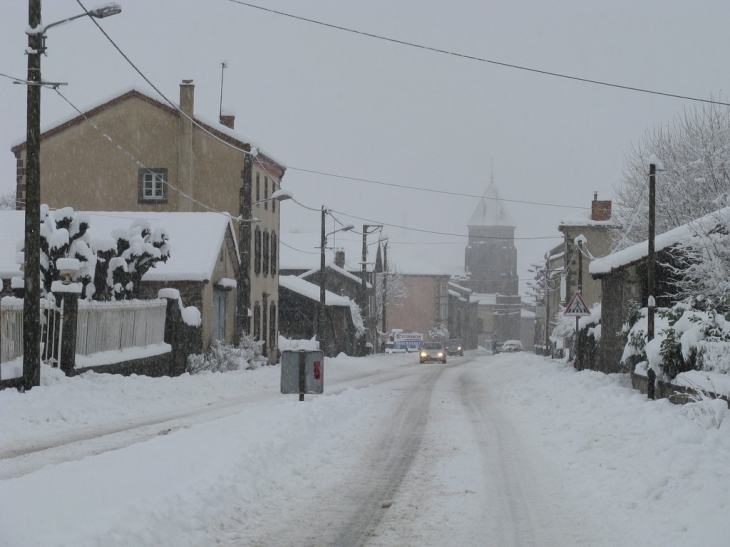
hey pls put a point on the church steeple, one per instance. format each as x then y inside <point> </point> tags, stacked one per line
<point>491,210</point>
<point>491,256</point>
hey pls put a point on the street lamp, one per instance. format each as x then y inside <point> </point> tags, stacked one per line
<point>31,306</point>
<point>323,277</point>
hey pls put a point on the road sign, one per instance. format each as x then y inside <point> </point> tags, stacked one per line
<point>577,307</point>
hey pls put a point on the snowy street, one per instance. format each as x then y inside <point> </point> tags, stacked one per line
<point>507,450</point>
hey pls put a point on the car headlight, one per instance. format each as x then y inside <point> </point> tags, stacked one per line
<point>424,354</point>
<point>441,354</point>
<point>459,348</point>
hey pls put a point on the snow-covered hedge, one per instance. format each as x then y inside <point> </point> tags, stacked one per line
<point>685,339</point>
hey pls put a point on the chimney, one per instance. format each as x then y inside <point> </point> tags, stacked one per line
<point>600,210</point>
<point>185,158</point>
<point>340,258</point>
<point>187,97</point>
<point>227,117</point>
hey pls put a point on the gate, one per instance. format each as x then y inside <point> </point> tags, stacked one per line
<point>51,332</point>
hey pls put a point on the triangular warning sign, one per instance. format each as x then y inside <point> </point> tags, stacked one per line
<point>577,306</point>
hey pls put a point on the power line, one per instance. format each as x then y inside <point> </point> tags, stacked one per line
<point>436,232</point>
<point>446,192</point>
<point>480,59</point>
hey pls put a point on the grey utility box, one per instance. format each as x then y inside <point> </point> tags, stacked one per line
<point>302,371</point>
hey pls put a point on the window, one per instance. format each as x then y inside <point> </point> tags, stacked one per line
<point>219,314</point>
<point>272,325</point>
<point>257,321</point>
<point>258,187</point>
<point>266,192</point>
<point>152,185</point>
<point>266,253</point>
<point>257,251</point>
<point>274,252</point>
<point>273,201</point>
<point>264,328</point>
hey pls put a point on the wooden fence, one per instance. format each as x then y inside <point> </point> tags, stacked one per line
<point>101,326</point>
<point>109,326</point>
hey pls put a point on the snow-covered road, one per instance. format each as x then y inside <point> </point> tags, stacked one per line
<point>504,450</point>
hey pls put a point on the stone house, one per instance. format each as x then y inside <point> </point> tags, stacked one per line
<point>203,266</point>
<point>298,309</point>
<point>135,153</point>
<point>596,227</point>
<point>623,278</point>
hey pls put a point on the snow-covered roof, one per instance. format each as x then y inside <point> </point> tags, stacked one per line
<point>335,268</point>
<point>527,314</point>
<point>484,298</point>
<point>310,290</point>
<point>583,218</point>
<point>195,240</point>
<point>491,210</point>
<point>458,287</point>
<point>663,241</point>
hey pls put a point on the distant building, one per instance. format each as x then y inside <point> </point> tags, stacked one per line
<point>491,265</point>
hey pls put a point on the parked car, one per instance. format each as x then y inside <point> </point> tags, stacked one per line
<point>432,351</point>
<point>511,346</point>
<point>454,347</point>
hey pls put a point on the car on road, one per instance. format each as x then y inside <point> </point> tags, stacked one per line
<point>511,346</point>
<point>454,347</point>
<point>432,351</point>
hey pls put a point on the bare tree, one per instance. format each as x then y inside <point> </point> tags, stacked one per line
<point>694,151</point>
<point>387,293</point>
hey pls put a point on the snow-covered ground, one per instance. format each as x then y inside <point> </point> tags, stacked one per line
<point>514,449</point>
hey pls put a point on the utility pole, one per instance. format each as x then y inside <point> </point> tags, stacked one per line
<point>651,275</point>
<point>243,322</point>
<point>384,327</point>
<point>650,266</point>
<point>31,301</point>
<point>580,281</point>
<point>322,274</point>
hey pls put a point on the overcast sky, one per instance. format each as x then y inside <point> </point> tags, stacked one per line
<point>322,99</point>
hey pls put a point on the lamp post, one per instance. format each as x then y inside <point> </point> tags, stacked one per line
<point>323,277</point>
<point>31,305</point>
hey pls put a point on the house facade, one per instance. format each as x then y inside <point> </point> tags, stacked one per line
<point>135,153</point>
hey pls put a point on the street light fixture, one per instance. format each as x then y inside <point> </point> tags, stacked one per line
<point>31,306</point>
<point>323,277</point>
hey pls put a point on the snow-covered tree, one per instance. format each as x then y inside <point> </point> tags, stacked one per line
<point>64,234</point>
<point>125,257</point>
<point>110,267</point>
<point>438,332</point>
<point>701,269</point>
<point>388,292</point>
<point>694,151</point>
<point>7,201</point>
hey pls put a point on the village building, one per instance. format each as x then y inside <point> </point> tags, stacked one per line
<point>203,264</point>
<point>136,153</point>
<point>491,269</point>
<point>623,278</point>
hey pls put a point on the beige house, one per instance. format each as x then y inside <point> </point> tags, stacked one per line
<point>595,228</point>
<point>135,153</point>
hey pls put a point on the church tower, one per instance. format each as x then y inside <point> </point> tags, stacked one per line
<point>491,256</point>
